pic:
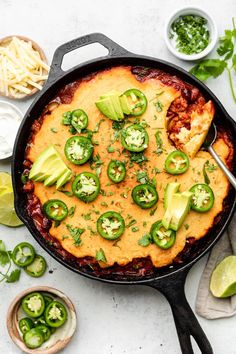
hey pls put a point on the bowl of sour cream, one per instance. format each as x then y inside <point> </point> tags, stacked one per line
<point>10,119</point>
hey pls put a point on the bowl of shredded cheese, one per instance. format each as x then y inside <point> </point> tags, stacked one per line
<point>23,67</point>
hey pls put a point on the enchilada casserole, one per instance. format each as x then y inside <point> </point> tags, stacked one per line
<point>115,198</point>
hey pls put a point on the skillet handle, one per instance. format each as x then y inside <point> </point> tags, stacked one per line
<point>185,321</point>
<point>113,48</point>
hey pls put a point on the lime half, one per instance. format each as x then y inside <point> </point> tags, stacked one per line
<point>223,279</point>
<point>7,211</point>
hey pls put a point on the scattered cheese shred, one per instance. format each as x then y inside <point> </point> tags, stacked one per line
<point>21,68</point>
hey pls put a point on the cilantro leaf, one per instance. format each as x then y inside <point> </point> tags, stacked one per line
<point>145,240</point>
<point>159,142</point>
<point>234,62</point>
<point>71,211</point>
<point>13,276</point>
<point>205,175</point>
<point>208,68</point>
<point>4,255</point>
<point>226,46</point>
<point>100,256</point>
<point>75,233</point>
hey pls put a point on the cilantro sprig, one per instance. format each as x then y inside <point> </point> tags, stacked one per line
<point>5,260</point>
<point>227,60</point>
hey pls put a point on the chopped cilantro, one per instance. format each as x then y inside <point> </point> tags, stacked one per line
<point>102,192</point>
<point>156,170</point>
<point>145,240</point>
<point>71,211</point>
<point>68,193</point>
<point>118,125</point>
<point>110,149</point>
<point>64,237</point>
<point>210,167</point>
<point>87,216</point>
<point>186,226</point>
<point>132,222</point>
<point>159,142</point>
<point>96,163</point>
<point>97,126</point>
<point>92,232</point>
<point>54,130</point>
<point>158,105</point>
<point>57,223</point>
<point>75,233</point>
<point>135,229</point>
<point>205,175</point>
<point>100,256</point>
<point>138,157</point>
<point>152,212</point>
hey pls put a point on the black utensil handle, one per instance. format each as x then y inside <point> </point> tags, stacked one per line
<point>186,322</point>
<point>113,48</point>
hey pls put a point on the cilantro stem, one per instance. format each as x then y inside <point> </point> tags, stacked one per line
<point>231,84</point>
<point>9,267</point>
<point>233,23</point>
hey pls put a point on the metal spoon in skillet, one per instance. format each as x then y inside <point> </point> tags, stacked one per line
<point>209,141</point>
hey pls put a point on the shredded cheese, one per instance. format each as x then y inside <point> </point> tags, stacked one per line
<point>21,68</point>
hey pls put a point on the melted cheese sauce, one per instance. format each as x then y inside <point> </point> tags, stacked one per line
<point>118,196</point>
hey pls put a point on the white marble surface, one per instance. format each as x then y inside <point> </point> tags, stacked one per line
<point>111,319</point>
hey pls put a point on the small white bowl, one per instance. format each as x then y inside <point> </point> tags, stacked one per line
<point>210,23</point>
<point>7,136</point>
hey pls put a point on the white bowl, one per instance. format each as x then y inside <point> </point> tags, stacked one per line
<point>6,128</point>
<point>210,23</point>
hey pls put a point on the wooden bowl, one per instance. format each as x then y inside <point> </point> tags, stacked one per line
<point>3,42</point>
<point>59,339</point>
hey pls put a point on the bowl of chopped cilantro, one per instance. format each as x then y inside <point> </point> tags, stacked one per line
<point>190,33</point>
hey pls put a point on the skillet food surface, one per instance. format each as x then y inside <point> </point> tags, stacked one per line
<point>170,105</point>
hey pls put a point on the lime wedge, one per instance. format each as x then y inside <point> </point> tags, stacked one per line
<point>7,211</point>
<point>5,182</point>
<point>223,279</point>
<point>5,179</point>
<point>5,189</point>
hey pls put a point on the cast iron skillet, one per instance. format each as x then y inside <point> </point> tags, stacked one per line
<point>169,281</point>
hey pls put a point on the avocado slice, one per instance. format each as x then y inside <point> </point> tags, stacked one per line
<point>106,107</point>
<point>109,104</point>
<point>125,104</point>
<point>48,169</point>
<point>117,106</point>
<point>48,155</point>
<point>177,210</point>
<point>64,179</point>
<point>170,189</point>
<point>58,172</point>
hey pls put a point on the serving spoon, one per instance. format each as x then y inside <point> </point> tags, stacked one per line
<point>209,141</point>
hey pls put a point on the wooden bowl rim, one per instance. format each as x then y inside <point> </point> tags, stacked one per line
<point>13,308</point>
<point>42,55</point>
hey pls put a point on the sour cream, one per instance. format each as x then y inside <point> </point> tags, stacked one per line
<point>10,119</point>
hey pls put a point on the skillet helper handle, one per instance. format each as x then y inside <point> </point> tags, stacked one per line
<point>223,167</point>
<point>186,322</point>
<point>114,49</point>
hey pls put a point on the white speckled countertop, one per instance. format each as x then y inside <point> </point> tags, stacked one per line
<point>111,319</point>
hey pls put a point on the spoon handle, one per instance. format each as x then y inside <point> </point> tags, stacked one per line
<point>221,164</point>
